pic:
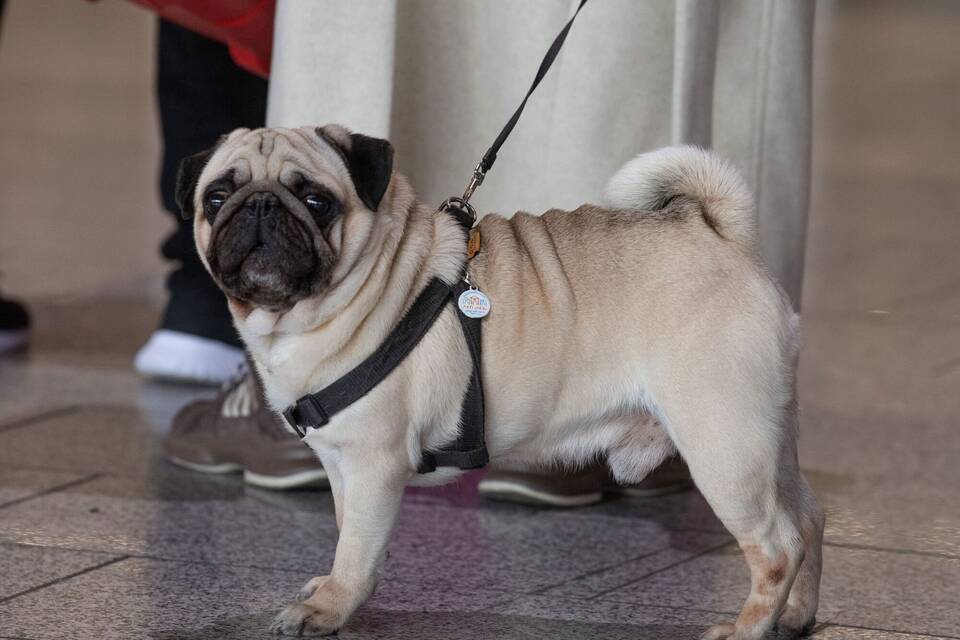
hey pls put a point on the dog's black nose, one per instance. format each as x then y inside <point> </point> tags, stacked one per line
<point>261,204</point>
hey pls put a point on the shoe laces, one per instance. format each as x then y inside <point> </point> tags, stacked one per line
<point>241,372</point>
<point>239,394</point>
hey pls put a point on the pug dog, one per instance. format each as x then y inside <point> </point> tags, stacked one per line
<point>627,332</point>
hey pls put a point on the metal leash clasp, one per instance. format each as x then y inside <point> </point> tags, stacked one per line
<point>460,207</point>
<point>478,175</point>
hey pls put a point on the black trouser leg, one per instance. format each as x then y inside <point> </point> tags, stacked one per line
<point>202,95</point>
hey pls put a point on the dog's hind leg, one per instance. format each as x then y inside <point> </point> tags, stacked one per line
<point>740,445</point>
<point>800,614</point>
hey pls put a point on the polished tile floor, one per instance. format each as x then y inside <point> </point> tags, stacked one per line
<point>101,539</point>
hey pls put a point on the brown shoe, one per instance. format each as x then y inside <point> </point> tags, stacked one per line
<point>237,432</point>
<point>542,488</point>
<point>672,476</point>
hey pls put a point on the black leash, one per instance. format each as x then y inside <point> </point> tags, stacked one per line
<point>460,207</point>
<point>469,450</point>
<point>491,155</point>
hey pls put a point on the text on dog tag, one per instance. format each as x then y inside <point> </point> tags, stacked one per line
<point>474,303</point>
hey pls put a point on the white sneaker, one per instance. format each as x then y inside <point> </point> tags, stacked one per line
<point>182,357</point>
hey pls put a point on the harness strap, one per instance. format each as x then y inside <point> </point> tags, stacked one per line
<point>469,450</point>
<point>315,409</point>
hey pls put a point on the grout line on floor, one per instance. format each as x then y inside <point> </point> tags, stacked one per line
<point>33,418</point>
<point>659,606</point>
<point>540,590</point>
<point>101,565</point>
<point>643,606</point>
<point>665,568</point>
<point>842,545</point>
<point>31,545</point>
<point>648,554</point>
<point>507,597</point>
<point>905,552</point>
<point>152,558</point>
<point>54,489</point>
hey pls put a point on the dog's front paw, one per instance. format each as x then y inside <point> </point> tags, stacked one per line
<point>302,619</point>
<point>311,587</point>
<point>325,604</point>
<point>719,632</point>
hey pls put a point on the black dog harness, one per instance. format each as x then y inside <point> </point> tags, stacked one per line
<point>469,450</point>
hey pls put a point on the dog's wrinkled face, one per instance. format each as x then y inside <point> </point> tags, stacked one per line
<point>269,207</point>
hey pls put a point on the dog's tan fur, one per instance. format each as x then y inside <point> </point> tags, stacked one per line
<point>628,332</point>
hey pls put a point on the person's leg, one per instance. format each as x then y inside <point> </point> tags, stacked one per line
<point>14,319</point>
<point>14,325</point>
<point>201,95</point>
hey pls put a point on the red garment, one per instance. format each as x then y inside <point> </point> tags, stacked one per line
<point>245,26</point>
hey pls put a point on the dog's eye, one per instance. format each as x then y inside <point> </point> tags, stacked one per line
<point>316,204</point>
<point>213,201</point>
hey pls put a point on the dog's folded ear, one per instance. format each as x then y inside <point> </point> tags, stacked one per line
<point>369,161</point>
<point>187,177</point>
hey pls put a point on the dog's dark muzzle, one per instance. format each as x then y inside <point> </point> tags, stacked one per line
<point>264,253</point>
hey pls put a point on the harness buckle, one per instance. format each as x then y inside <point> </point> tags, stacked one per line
<point>288,416</point>
<point>306,413</point>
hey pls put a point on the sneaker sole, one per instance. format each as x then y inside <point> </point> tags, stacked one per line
<point>313,478</point>
<point>510,492</point>
<point>650,493</point>
<point>219,469</point>
<point>14,339</point>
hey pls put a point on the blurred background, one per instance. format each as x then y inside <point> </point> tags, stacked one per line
<point>80,224</point>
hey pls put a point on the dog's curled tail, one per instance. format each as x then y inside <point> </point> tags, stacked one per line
<point>652,180</point>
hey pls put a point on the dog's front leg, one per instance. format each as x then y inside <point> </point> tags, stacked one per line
<point>368,500</point>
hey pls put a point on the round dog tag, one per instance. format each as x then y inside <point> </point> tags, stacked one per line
<point>474,303</point>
